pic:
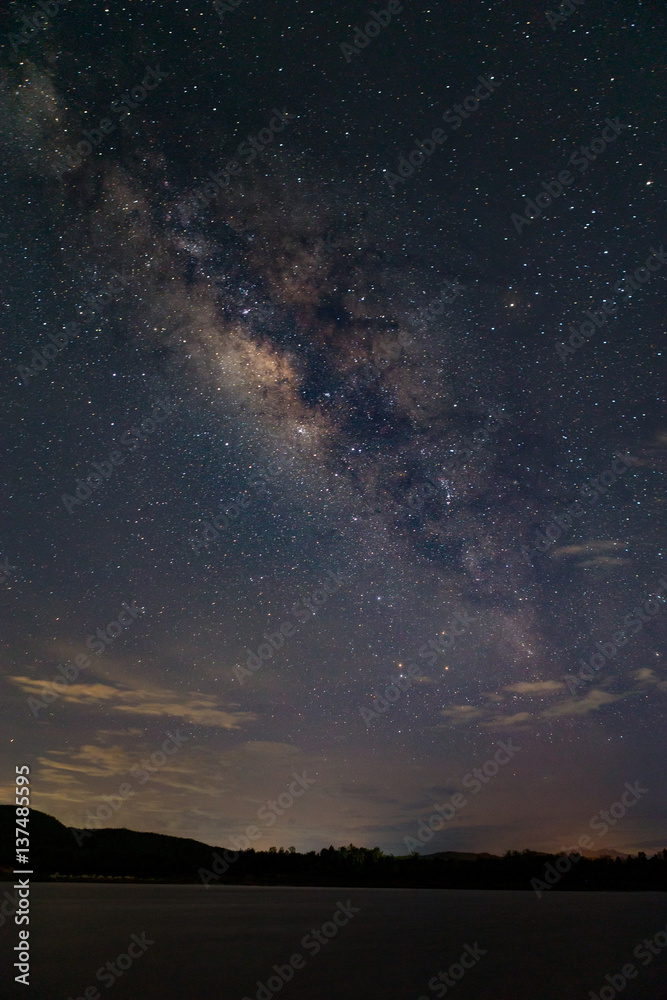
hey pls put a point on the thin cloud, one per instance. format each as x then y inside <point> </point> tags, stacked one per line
<point>508,721</point>
<point>461,714</point>
<point>647,676</point>
<point>591,547</point>
<point>535,688</point>
<point>198,709</point>
<point>581,706</point>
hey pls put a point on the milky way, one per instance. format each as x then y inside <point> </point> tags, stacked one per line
<point>393,350</point>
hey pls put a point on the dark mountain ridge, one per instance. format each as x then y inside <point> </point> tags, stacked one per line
<point>60,852</point>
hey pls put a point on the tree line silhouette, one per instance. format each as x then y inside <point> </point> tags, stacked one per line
<point>130,855</point>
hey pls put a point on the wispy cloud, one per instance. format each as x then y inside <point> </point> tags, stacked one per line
<point>198,709</point>
<point>595,552</point>
<point>535,688</point>
<point>581,706</point>
<point>647,677</point>
<point>593,546</point>
<point>508,721</point>
<point>494,714</point>
<point>460,714</point>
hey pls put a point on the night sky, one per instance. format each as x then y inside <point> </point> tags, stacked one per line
<point>371,364</point>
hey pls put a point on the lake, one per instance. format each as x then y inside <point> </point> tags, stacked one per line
<point>192,943</point>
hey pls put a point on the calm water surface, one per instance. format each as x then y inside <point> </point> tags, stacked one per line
<point>216,943</point>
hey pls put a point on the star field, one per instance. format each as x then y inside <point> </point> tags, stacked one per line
<point>308,374</point>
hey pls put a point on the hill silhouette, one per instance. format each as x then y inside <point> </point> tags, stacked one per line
<point>58,851</point>
<point>105,852</point>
